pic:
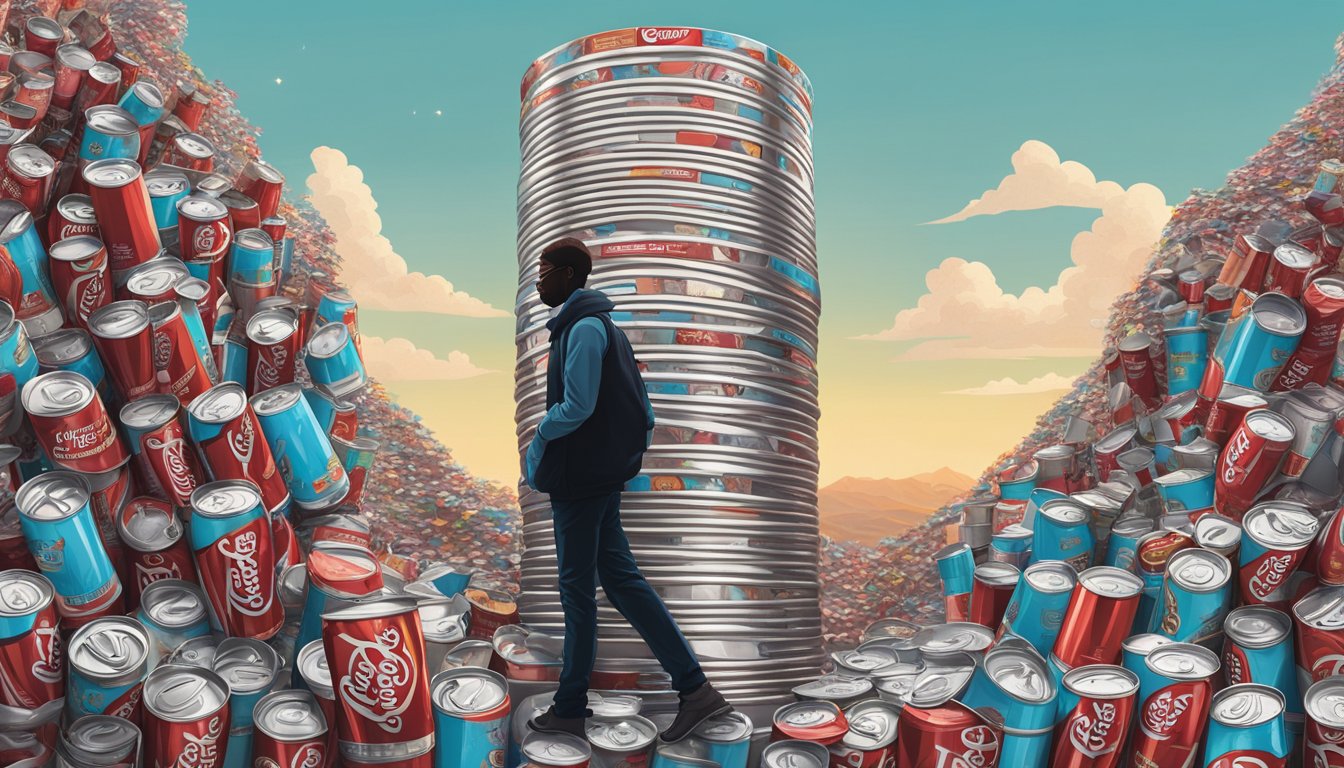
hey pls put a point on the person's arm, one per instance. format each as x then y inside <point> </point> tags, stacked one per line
<point>648,412</point>
<point>584,348</point>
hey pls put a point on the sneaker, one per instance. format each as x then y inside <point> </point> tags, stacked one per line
<point>548,722</point>
<point>696,707</point>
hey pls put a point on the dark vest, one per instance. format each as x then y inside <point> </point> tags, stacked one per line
<point>607,449</point>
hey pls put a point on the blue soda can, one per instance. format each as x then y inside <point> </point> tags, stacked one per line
<point>956,568</point>
<point>1251,353</point>
<point>18,366</point>
<point>336,306</point>
<point>1011,545</point>
<point>324,407</point>
<point>619,739</point>
<point>1186,490</point>
<point>249,667</point>
<point>39,310</point>
<point>58,525</point>
<point>1015,684</point>
<point>165,189</point>
<point>1036,609</point>
<point>1135,649</point>
<point>109,131</point>
<point>1246,727</point>
<point>447,579</point>
<point>285,265</point>
<point>71,349</point>
<point>566,749</point>
<point>1150,564</point>
<point>144,102</point>
<point>727,738</point>
<point>109,659</point>
<point>1124,542</point>
<point>1196,596</point>
<point>1187,356</point>
<point>293,717</point>
<point>233,362</point>
<point>1259,649</point>
<point>173,611</point>
<point>1062,533</point>
<point>1018,481</point>
<point>334,362</point>
<point>252,258</point>
<point>302,450</point>
<point>190,292</point>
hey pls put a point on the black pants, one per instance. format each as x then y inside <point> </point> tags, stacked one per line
<point>591,547</point>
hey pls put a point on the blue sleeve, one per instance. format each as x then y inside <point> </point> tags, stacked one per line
<point>586,345</point>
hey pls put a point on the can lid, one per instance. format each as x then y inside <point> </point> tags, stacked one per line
<point>224,498</point>
<point>154,278</point>
<point>794,753</point>
<point>1331,287</point>
<point>1115,440</point>
<point>834,686</point>
<point>1269,425</point>
<point>272,326</point>
<point>203,208</point>
<point>178,693</point>
<point>105,72</point>
<point>1280,525</point>
<point>1321,608</point>
<point>1246,705</point>
<point>1324,702</point>
<point>1101,681</point>
<point>173,603</point>
<point>1217,532</point>
<point>148,93</point>
<point>872,659</point>
<point>62,347</point>
<point>109,647</point>
<point>111,172</point>
<point>1063,512</point>
<point>101,736</point>
<point>627,733</point>
<point>1199,570</point>
<point>277,399</point>
<point>953,636</point>
<point>1183,661</point>
<point>1257,626</point>
<point>192,289</point>
<point>160,183</point>
<point>312,665</point>
<point>120,319</point>
<point>219,404</point>
<point>79,210</point>
<point>935,686</point>
<point>198,651</point>
<point>1294,255</point>
<point>444,620</point>
<point>328,340</point>
<point>53,496</point>
<point>24,593</point>
<point>997,574</point>
<point>58,393</point>
<point>260,169</point>
<point>162,312</point>
<point>892,628</point>
<point>1133,527</point>
<point>374,609</point>
<point>808,714</point>
<point>872,725</point>
<point>150,412</point>
<point>350,570</point>
<point>148,525</point>
<point>245,664</point>
<point>1144,643</point>
<point>1051,577</point>
<point>1135,342</point>
<point>287,716</point>
<point>253,239</point>
<point>194,145</point>
<point>1021,674</point>
<point>29,160</point>
<point>555,749</point>
<point>1278,314</point>
<point>1110,582</point>
<point>76,248</point>
<point>468,691</point>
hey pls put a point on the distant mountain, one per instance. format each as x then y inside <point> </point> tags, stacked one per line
<point>866,509</point>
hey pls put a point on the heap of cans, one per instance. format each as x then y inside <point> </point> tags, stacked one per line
<point>682,157</point>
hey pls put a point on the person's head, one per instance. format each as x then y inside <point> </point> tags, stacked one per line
<point>564,266</point>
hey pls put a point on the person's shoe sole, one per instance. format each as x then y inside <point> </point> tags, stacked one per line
<point>725,709</point>
<point>554,729</point>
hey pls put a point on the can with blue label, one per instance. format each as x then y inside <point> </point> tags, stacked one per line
<point>1196,596</point>
<point>166,189</point>
<point>252,258</point>
<point>333,361</point>
<point>173,611</point>
<point>1259,649</point>
<point>324,407</point>
<point>39,310</point>
<point>447,580</point>
<point>71,349</point>
<point>471,716</point>
<point>1186,490</point>
<point>727,738</point>
<point>335,306</point>
<point>1011,545</point>
<point>1123,544</point>
<point>1017,481</point>
<point>249,667</point>
<point>1251,352</point>
<point>58,524</point>
<point>109,131</point>
<point>1187,355</point>
<point>1062,533</point>
<point>18,366</point>
<point>302,450</point>
<point>1015,684</point>
<point>109,659</point>
<point>1036,610</point>
<point>143,101</point>
<point>956,569</point>
<point>190,292</point>
<point>1246,727</point>
<point>1135,649</point>
<point>233,361</point>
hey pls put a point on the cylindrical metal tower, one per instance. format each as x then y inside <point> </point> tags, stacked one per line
<point>682,158</point>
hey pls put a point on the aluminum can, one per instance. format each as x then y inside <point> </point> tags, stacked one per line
<point>1187,492</point>
<point>1137,363</point>
<point>63,538</point>
<point>1259,649</point>
<point>1154,551</point>
<point>561,750</point>
<point>1096,707</point>
<point>1310,362</point>
<point>32,652</point>
<point>1100,613</point>
<point>471,714</point>
<point>272,349</point>
<point>252,258</point>
<point>490,610</point>
<point>154,430</point>
<point>1219,534</point>
<point>303,452</point>
<point>1324,737</point>
<point>1187,357</point>
<point>1227,412</point>
<point>1175,691</point>
<point>1252,456</point>
<point>204,234</point>
<point>1196,596</point>
<point>333,361</point>
<point>375,654</point>
<point>1122,546</point>
<point>869,743</point>
<point>993,589</point>
<point>1014,684</point>
<point>1275,537</point>
<point>1061,532</point>
<point>71,349</point>
<point>618,741</point>
<point>1036,611</point>
<point>108,659</point>
<point>80,277</point>
<point>70,217</point>
<point>231,536</point>
<point>1318,618</point>
<point>818,721</point>
<point>125,217</point>
<point>339,576</point>
<point>173,611</point>
<point>153,281</point>
<point>71,423</point>
<point>262,182</point>
<point>125,342</point>
<point>1246,727</point>
<point>186,716</point>
<point>1012,545</point>
<point>177,364</point>
<point>196,299</point>
<point>956,568</point>
<point>28,281</point>
<point>950,733</point>
<point>794,753</point>
<point>314,675</point>
<point>290,730</point>
<point>356,456</point>
<point>166,189</point>
<point>228,437</point>
<point>249,667</point>
<point>104,741</point>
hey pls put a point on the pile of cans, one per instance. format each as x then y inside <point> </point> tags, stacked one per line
<point>682,157</point>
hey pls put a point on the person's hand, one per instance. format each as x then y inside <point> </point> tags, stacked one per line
<point>533,459</point>
<point>648,438</point>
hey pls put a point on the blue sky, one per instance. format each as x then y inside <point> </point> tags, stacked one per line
<point>918,109</point>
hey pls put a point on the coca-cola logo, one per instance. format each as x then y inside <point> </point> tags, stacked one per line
<point>310,755</point>
<point>163,350</point>
<point>154,567</point>
<point>241,442</point>
<point>1163,712</point>
<point>380,679</point>
<point>1240,444</point>
<point>208,241</point>
<point>270,362</point>
<point>201,751</point>
<point>171,457</point>
<point>663,35</point>
<point>1328,665</point>
<point>86,294</point>
<point>1089,731</point>
<point>246,592</point>
<point>1250,760</point>
<point>128,703</point>
<point>1270,574</point>
<point>1234,665</point>
<point>979,748</point>
<point>79,438</point>
<point>48,666</point>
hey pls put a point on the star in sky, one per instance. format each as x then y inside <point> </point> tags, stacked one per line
<point>279,80</point>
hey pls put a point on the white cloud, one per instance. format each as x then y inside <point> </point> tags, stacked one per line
<point>1050,382</point>
<point>373,272</point>
<point>965,314</point>
<point>1039,180</point>
<point>397,359</point>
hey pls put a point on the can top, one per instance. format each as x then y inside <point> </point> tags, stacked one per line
<point>180,694</point>
<point>288,716</point>
<point>29,160</point>
<point>148,93</point>
<point>1324,702</point>
<point>892,628</point>
<point>192,289</point>
<point>105,72</point>
<point>794,753</point>
<point>555,749</point>
<point>101,735</point>
<point>1269,425</point>
<point>218,404</point>
<point>935,686</point>
<point>1021,674</point>
<point>272,326</point>
<point>1115,440</point>
<point>78,209</point>
<point>253,239</point>
<point>264,171</point>
<point>835,686</point>
<point>225,498</point>
<point>1279,314</point>
<point>468,691</point>
<point>312,665</point>
<point>1101,681</point>
<point>348,569</point>
<point>627,733</point>
<point>443,620</point>
<point>111,172</point>
<point>75,248</point>
<point>277,399</point>
<point>194,145</point>
<point>1333,288</point>
<point>150,412</point>
<point>1135,342</point>
<point>109,647</point>
<point>997,574</point>
<point>173,603</point>
<point>1294,255</point>
<point>1280,525</point>
<point>161,183</point>
<point>1246,705</point>
<point>1133,527</point>
<point>1013,532</point>
<point>1257,626</point>
<point>120,319</point>
<point>1111,582</point>
<point>163,312</point>
<point>62,347</point>
<point>1199,570</point>
<point>328,340</point>
<point>1183,661</point>
<point>245,664</point>
<point>59,393</point>
<point>374,609</point>
<point>1321,608</point>
<point>1182,476</point>
<point>1051,577</point>
<point>198,651</point>
<point>1214,531</point>
<point>872,725</point>
<point>1063,512</point>
<point>24,593</point>
<point>869,660</point>
<point>53,496</point>
<point>808,714</point>
<point>155,278</point>
<point>199,207</point>
<point>952,550</point>
<point>953,636</point>
<point>1144,643</point>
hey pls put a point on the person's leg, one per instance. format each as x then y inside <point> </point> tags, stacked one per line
<point>630,593</point>
<point>576,536</point>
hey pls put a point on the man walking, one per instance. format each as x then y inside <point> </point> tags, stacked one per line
<point>598,424</point>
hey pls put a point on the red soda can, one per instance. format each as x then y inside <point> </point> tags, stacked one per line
<point>154,281</point>
<point>243,210</point>
<point>157,549</point>
<point>98,88</point>
<point>1324,737</point>
<point>290,730</point>
<point>191,151</point>
<point>1314,356</point>
<point>820,722</point>
<point>1325,207</point>
<point>991,592</point>
<point>228,436</point>
<point>190,106</point>
<point>204,233</point>
<point>32,659</point>
<point>1191,286</point>
<point>154,430</point>
<point>376,654</point>
<point>261,182</point>
<point>1332,244</point>
<point>1252,456</point>
<point>72,215</point>
<point>72,65</point>
<point>42,35</point>
<point>186,713</point>
<point>1289,269</point>
<point>1327,552</point>
<point>1275,537</point>
<point>125,341</point>
<point>1174,708</point>
<point>79,274</point>
<point>1092,733</point>
<point>125,217</point>
<point>272,349</point>
<point>71,423</point>
<point>1106,452</point>
<point>490,610</point>
<point>35,89</point>
<point>1229,409</point>
<point>231,536</point>
<point>950,734</point>
<point>178,364</point>
<point>1318,620</point>
<point>1100,614</point>
<point>345,421</point>
<point>274,227</point>
<point>29,174</point>
<point>341,529</point>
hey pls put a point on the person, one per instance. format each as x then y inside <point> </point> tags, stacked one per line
<point>597,426</point>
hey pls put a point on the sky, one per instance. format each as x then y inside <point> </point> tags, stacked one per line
<point>919,108</point>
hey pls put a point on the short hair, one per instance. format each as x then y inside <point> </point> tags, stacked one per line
<point>570,252</point>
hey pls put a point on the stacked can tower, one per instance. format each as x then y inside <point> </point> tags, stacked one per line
<point>682,158</point>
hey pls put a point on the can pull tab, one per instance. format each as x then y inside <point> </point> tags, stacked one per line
<point>181,695</point>
<point>111,648</point>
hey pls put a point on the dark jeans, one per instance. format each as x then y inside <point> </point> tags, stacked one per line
<point>591,547</point>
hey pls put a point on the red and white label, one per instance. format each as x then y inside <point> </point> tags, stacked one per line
<point>379,681</point>
<point>669,36</point>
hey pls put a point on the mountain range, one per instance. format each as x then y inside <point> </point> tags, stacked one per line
<point>866,509</point>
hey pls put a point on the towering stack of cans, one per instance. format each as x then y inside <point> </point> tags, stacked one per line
<point>682,158</point>
<point>1166,588</point>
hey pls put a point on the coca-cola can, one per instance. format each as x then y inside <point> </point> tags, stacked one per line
<point>158,550</point>
<point>1324,738</point>
<point>375,652</point>
<point>249,667</point>
<point>80,277</point>
<point>948,734</point>
<point>102,740</point>
<point>24,276</point>
<point>290,730</point>
<point>1096,704</point>
<point>272,349</point>
<point>177,363</point>
<point>311,672</point>
<point>125,341</point>
<point>71,216</point>
<point>1275,537</point>
<point>338,576</point>
<point>71,423</point>
<point>154,281</point>
<point>1252,456</point>
<point>98,88</point>
<point>32,653</point>
<point>1175,690</point>
<point>231,536</point>
<point>1310,362</point>
<point>243,210</point>
<point>263,183</point>
<point>109,132</point>
<point>125,218</point>
<point>72,63</point>
<point>154,430</point>
<point>817,721</point>
<point>190,150</point>
<point>1318,619</point>
<point>1098,618</point>
<point>28,177</point>
<point>333,362</point>
<point>108,659</point>
<point>204,233</point>
<point>231,445</point>
<point>190,105</point>
<point>42,35</point>
<point>186,716</point>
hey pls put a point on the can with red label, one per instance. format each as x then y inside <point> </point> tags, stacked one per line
<point>71,216</point>
<point>948,734</point>
<point>817,721</point>
<point>1175,690</point>
<point>490,610</point>
<point>243,210</point>
<point>167,464</point>
<point>125,217</point>
<point>71,423</point>
<point>1318,619</point>
<point>1252,456</point>
<point>125,341</point>
<point>1137,364</point>
<point>991,591</point>
<point>28,176</point>
<point>1098,618</point>
<point>1275,537</point>
<point>157,549</point>
<point>1228,411</point>
<point>177,364</point>
<point>108,659</point>
<point>1324,738</point>
<point>204,235</point>
<point>356,455</point>
<point>231,536</point>
<point>1096,706</point>
<point>186,716</point>
<point>32,653</point>
<point>1310,363</point>
<point>1246,728</point>
<point>231,445</point>
<point>79,276</point>
<point>272,349</point>
<point>375,652</point>
<point>290,730</point>
<point>302,451</point>
<point>153,281</point>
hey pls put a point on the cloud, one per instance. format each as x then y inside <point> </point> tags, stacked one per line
<point>373,272</point>
<point>966,314</point>
<point>397,359</point>
<point>1039,180</point>
<point>1050,382</point>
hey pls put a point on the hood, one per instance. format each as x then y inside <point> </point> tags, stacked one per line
<point>584,302</point>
